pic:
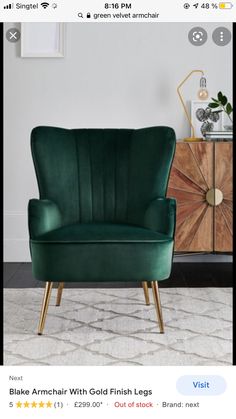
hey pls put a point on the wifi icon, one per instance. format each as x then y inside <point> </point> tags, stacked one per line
<point>44,4</point>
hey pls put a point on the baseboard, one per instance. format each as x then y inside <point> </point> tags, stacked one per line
<point>184,275</point>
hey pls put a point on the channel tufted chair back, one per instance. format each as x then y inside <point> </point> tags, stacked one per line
<point>102,175</point>
<point>102,199</point>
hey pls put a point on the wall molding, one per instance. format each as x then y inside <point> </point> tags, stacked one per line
<point>12,213</point>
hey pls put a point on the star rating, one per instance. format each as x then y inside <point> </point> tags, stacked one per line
<point>34,404</point>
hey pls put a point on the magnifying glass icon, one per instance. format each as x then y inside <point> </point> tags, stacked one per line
<point>80,15</point>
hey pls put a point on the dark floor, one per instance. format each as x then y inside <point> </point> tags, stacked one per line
<point>19,275</point>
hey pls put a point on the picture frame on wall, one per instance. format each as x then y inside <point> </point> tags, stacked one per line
<point>42,40</point>
<point>204,119</point>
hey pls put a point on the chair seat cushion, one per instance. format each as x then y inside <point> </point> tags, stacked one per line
<point>100,232</point>
<point>101,252</point>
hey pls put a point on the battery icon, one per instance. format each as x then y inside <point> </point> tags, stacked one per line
<point>226,5</point>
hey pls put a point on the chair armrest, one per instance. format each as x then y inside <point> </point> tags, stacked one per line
<point>161,216</point>
<point>43,216</point>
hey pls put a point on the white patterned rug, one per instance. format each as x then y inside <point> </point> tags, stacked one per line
<point>115,327</point>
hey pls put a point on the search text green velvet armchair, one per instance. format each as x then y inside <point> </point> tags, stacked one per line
<point>102,213</point>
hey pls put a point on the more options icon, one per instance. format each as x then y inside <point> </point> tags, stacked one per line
<point>221,36</point>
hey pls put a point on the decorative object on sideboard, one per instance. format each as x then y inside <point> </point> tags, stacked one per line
<point>218,135</point>
<point>208,118</point>
<point>203,94</point>
<point>221,104</point>
<point>204,119</point>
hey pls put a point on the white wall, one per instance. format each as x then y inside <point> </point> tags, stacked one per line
<point>113,75</point>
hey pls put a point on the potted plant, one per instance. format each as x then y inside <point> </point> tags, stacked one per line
<point>223,105</point>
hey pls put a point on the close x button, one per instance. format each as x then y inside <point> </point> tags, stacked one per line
<point>13,35</point>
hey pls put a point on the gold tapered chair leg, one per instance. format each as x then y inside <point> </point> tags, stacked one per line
<point>157,301</point>
<point>46,298</point>
<point>59,293</point>
<point>146,293</point>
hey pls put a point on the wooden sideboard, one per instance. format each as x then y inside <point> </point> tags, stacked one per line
<point>201,182</point>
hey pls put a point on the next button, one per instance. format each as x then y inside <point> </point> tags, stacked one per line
<point>201,385</point>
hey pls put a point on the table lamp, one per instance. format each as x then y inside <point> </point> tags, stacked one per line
<point>202,95</point>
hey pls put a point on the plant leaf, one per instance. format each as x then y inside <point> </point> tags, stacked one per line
<point>213,105</point>
<point>220,95</point>
<point>214,100</point>
<point>224,100</point>
<point>229,108</point>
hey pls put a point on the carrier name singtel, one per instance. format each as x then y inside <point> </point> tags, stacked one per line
<point>27,6</point>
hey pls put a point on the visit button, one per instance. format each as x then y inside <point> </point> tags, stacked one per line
<point>201,385</point>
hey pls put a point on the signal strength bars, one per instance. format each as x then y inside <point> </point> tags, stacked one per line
<point>9,6</point>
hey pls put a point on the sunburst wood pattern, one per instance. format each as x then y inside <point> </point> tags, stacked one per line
<point>198,167</point>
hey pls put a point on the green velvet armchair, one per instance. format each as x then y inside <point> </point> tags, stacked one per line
<point>102,213</point>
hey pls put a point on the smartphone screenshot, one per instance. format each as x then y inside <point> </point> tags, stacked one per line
<point>118,209</point>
